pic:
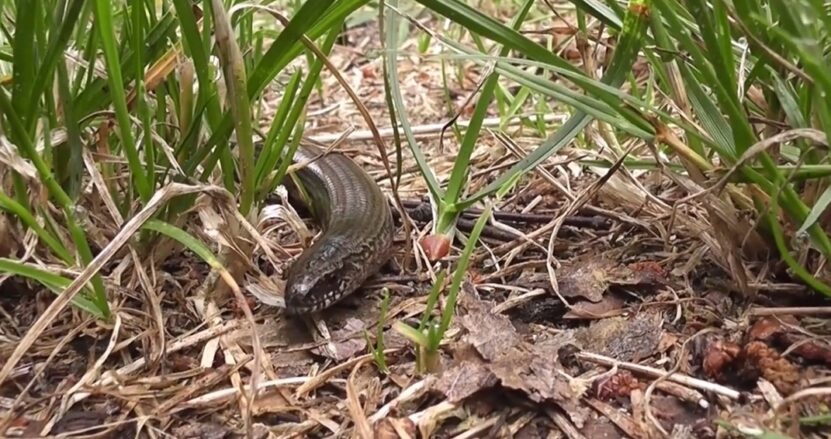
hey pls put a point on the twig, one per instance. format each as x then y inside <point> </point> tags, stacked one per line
<point>123,236</point>
<point>408,394</point>
<point>222,394</point>
<point>678,378</point>
<point>429,129</point>
<point>793,310</point>
<point>353,404</point>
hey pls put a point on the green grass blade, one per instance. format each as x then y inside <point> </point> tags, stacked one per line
<point>10,205</point>
<point>103,14</point>
<point>52,281</point>
<point>632,36</point>
<point>25,56</point>
<point>186,239</point>
<point>54,55</point>
<point>471,136</point>
<point>398,110</point>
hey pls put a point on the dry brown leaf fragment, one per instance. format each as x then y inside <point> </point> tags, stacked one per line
<point>609,306</point>
<point>271,402</point>
<point>9,244</point>
<point>618,385</point>
<point>602,427</point>
<point>394,428</point>
<point>491,334</point>
<point>589,276</point>
<point>773,331</point>
<point>201,430</point>
<point>464,379</point>
<point>624,339</point>
<point>347,341</point>
<point>586,277</point>
<point>502,356</point>
<point>765,328</point>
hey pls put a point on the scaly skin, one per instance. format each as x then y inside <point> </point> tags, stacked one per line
<point>357,232</point>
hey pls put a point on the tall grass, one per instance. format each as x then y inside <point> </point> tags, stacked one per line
<point>133,87</point>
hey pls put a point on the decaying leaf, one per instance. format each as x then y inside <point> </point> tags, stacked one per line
<point>609,306</point>
<point>624,339</point>
<point>202,430</point>
<point>346,341</point>
<point>590,275</point>
<point>492,352</point>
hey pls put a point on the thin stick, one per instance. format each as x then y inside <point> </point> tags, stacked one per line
<point>682,379</point>
<point>428,129</point>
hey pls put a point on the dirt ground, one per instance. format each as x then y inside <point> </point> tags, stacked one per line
<point>617,318</point>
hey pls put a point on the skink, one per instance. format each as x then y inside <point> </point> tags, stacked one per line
<point>357,231</point>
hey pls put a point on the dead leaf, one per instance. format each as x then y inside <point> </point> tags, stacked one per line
<point>618,385</point>
<point>624,339</point>
<point>773,331</point>
<point>201,430</point>
<point>347,341</point>
<point>718,356</point>
<point>501,356</point>
<point>465,379</point>
<point>271,402</point>
<point>589,276</point>
<point>609,306</point>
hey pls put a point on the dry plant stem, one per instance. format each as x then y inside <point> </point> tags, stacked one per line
<point>129,229</point>
<point>353,403</point>
<point>318,380</point>
<point>206,335</point>
<point>213,378</point>
<point>651,371</point>
<point>64,341</point>
<point>796,310</point>
<point>73,395</point>
<point>429,129</point>
<point>425,418</point>
<point>221,395</point>
<point>479,428</point>
<point>563,423</point>
<point>515,301</point>
<point>619,418</point>
<point>406,395</point>
<point>804,393</point>
<point>154,304</point>
<point>581,199</point>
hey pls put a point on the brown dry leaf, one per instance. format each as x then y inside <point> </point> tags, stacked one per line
<point>346,341</point>
<point>589,276</point>
<point>624,339</point>
<point>602,427</point>
<point>608,306</point>
<point>501,356</point>
<point>765,328</point>
<point>394,428</point>
<point>270,402</point>
<point>464,379</point>
<point>618,385</point>
<point>202,431</point>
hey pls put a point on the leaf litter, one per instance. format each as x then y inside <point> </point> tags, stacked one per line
<point>654,338</point>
